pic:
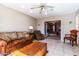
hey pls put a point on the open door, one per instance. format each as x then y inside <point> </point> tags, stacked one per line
<point>53,28</point>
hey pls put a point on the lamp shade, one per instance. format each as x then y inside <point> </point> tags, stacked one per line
<point>30,27</point>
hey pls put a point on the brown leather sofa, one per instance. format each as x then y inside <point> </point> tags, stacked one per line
<point>10,41</point>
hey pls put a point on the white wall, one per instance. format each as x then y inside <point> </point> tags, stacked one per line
<point>11,20</point>
<point>77,25</point>
<point>65,26</point>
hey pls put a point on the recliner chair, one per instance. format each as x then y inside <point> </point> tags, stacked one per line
<point>38,35</point>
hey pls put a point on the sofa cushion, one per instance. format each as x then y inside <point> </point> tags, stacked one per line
<point>12,35</point>
<point>4,36</point>
<point>22,34</point>
<point>8,36</point>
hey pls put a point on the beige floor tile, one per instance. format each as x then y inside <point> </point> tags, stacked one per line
<point>57,48</point>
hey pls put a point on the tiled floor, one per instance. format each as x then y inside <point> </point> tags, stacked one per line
<point>57,48</point>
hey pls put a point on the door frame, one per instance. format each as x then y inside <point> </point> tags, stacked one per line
<point>45,30</point>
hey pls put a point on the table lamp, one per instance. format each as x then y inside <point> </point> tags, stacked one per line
<point>31,28</point>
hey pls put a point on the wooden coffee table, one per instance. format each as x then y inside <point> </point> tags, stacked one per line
<point>33,49</point>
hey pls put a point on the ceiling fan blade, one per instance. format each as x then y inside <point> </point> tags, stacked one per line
<point>50,6</point>
<point>35,7</point>
<point>42,4</point>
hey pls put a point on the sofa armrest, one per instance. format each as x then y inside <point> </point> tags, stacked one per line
<point>3,45</point>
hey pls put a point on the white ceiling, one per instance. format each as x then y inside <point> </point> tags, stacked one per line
<point>59,9</point>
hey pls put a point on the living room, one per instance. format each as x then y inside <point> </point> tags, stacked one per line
<point>20,19</point>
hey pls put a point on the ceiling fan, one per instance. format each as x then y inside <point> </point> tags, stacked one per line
<point>42,7</point>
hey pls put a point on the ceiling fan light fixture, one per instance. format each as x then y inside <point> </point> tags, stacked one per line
<point>42,8</point>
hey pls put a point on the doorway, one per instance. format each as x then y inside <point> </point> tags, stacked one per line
<point>53,28</point>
